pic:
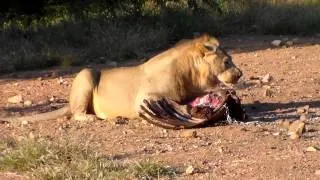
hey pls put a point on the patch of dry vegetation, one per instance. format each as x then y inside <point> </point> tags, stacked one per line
<point>63,159</point>
<point>100,33</point>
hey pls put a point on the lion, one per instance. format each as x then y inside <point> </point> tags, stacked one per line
<point>182,73</point>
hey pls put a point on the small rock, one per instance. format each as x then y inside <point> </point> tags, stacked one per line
<point>276,43</point>
<point>302,110</point>
<point>165,131</point>
<point>52,99</point>
<point>111,63</point>
<point>289,43</point>
<point>276,133</point>
<point>169,148</point>
<point>190,170</point>
<point>267,78</point>
<point>39,78</point>
<point>15,99</point>
<point>27,103</point>
<point>42,102</point>
<point>16,84</point>
<point>312,149</point>
<point>188,133</point>
<point>24,122</point>
<point>258,83</point>
<point>293,57</point>
<point>60,81</point>
<point>304,117</point>
<point>266,133</point>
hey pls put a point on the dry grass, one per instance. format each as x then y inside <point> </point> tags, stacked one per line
<point>62,159</point>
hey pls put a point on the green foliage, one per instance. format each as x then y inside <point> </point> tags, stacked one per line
<point>96,31</point>
<point>64,159</point>
<point>147,169</point>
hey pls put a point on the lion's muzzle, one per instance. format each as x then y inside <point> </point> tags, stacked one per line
<point>230,76</point>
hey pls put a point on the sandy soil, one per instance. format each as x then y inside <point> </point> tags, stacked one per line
<point>259,149</point>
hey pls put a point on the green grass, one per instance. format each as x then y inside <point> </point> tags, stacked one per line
<point>75,36</point>
<point>63,159</point>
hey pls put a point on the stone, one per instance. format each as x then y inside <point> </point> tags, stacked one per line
<point>276,43</point>
<point>60,81</point>
<point>24,122</point>
<point>52,99</point>
<point>165,131</point>
<point>276,133</point>
<point>188,134</point>
<point>312,149</point>
<point>289,43</point>
<point>190,170</point>
<point>304,117</point>
<point>302,110</point>
<point>15,99</point>
<point>267,78</point>
<point>27,103</point>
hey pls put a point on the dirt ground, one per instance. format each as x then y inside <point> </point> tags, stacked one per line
<point>258,149</point>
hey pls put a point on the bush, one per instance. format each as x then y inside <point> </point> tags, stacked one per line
<point>97,31</point>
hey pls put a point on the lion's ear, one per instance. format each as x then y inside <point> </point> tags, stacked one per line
<point>210,46</point>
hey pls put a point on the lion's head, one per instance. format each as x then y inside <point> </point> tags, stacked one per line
<point>211,62</point>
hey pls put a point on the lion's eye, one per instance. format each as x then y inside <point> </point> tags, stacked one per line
<point>227,63</point>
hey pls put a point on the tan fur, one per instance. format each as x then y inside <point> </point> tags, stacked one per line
<point>181,73</point>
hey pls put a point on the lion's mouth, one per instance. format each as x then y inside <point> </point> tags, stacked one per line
<point>210,100</point>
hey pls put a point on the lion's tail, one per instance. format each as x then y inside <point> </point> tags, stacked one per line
<point>39,117</point>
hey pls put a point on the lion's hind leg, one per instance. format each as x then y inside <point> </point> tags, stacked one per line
<point>81,93</point>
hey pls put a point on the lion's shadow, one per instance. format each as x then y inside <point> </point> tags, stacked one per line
<point>268,112</point>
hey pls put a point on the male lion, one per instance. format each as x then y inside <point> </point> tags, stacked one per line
<point>180,74</point>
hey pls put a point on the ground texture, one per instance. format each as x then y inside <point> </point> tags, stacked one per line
<point>259,149</point>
